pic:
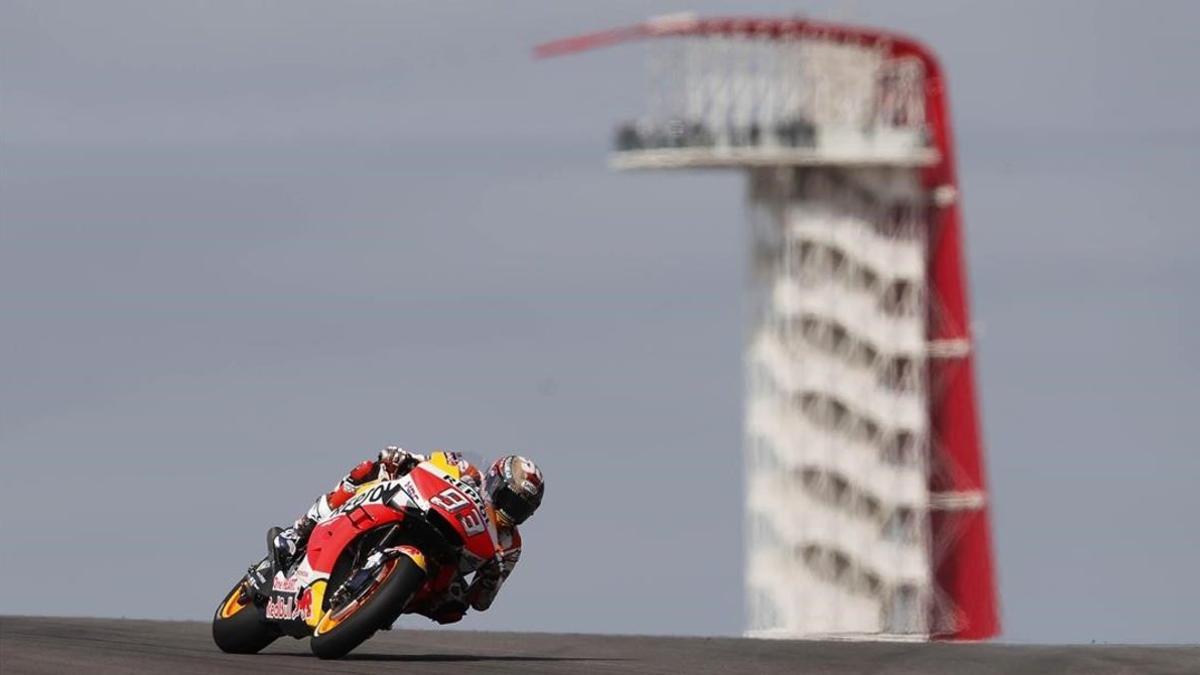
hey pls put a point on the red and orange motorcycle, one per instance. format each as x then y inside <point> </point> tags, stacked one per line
<point>392,548</point>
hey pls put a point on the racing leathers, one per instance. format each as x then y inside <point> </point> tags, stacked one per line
<point>394,462</point>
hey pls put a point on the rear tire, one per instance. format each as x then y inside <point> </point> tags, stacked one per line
<point>238,627</point>
<point>377,611</point>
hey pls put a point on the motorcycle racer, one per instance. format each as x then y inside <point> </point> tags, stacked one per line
<point>512,489</point>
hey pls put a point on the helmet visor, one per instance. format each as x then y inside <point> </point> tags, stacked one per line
<point>514,506</point>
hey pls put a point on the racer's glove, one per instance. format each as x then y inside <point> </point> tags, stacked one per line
<point>399,461</point>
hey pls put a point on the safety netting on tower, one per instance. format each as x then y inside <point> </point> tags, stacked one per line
<point>750,91</point>
<point>866,508</point>
<point>762,90</point>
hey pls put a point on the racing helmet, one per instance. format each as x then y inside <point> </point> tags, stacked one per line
<point>514,487</point>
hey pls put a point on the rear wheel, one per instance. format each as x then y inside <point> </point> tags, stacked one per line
<point>351,621</point>
<point>237,627</point>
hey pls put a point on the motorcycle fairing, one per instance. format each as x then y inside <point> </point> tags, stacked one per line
<point>296,602</point>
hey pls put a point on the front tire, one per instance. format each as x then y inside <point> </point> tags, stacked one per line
<point>237,627</point>
<point>343,628</point>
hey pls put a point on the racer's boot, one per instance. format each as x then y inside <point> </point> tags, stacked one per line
<point>287,543</point>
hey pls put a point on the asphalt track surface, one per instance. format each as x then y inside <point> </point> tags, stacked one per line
<point>67,645</point>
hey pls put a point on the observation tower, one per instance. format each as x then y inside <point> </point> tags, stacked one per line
<point>866,506</point>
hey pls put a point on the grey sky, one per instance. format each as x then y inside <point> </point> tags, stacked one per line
<point>242,245</point>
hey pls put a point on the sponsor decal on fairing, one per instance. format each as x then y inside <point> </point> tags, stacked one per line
<point>290,607</point>
<point>284,585</point>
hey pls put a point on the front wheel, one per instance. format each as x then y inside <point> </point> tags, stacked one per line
<point>237,627</point>
<point>353,620</point>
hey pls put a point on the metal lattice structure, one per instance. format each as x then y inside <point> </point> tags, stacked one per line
<point>866,503</point>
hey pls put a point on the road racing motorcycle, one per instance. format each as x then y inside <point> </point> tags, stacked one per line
<point>392,548</point>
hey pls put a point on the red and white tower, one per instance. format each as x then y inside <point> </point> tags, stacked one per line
<point>866,507</point>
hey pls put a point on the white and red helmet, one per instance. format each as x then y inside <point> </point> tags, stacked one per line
<point>514,486</point>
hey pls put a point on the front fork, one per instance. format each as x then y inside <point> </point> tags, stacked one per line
<point>369,570</point>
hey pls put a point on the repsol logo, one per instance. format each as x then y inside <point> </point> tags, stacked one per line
<point>466,489</point>
<point>380,494</point>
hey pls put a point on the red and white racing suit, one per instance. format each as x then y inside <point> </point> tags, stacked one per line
<point>450,607</point>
